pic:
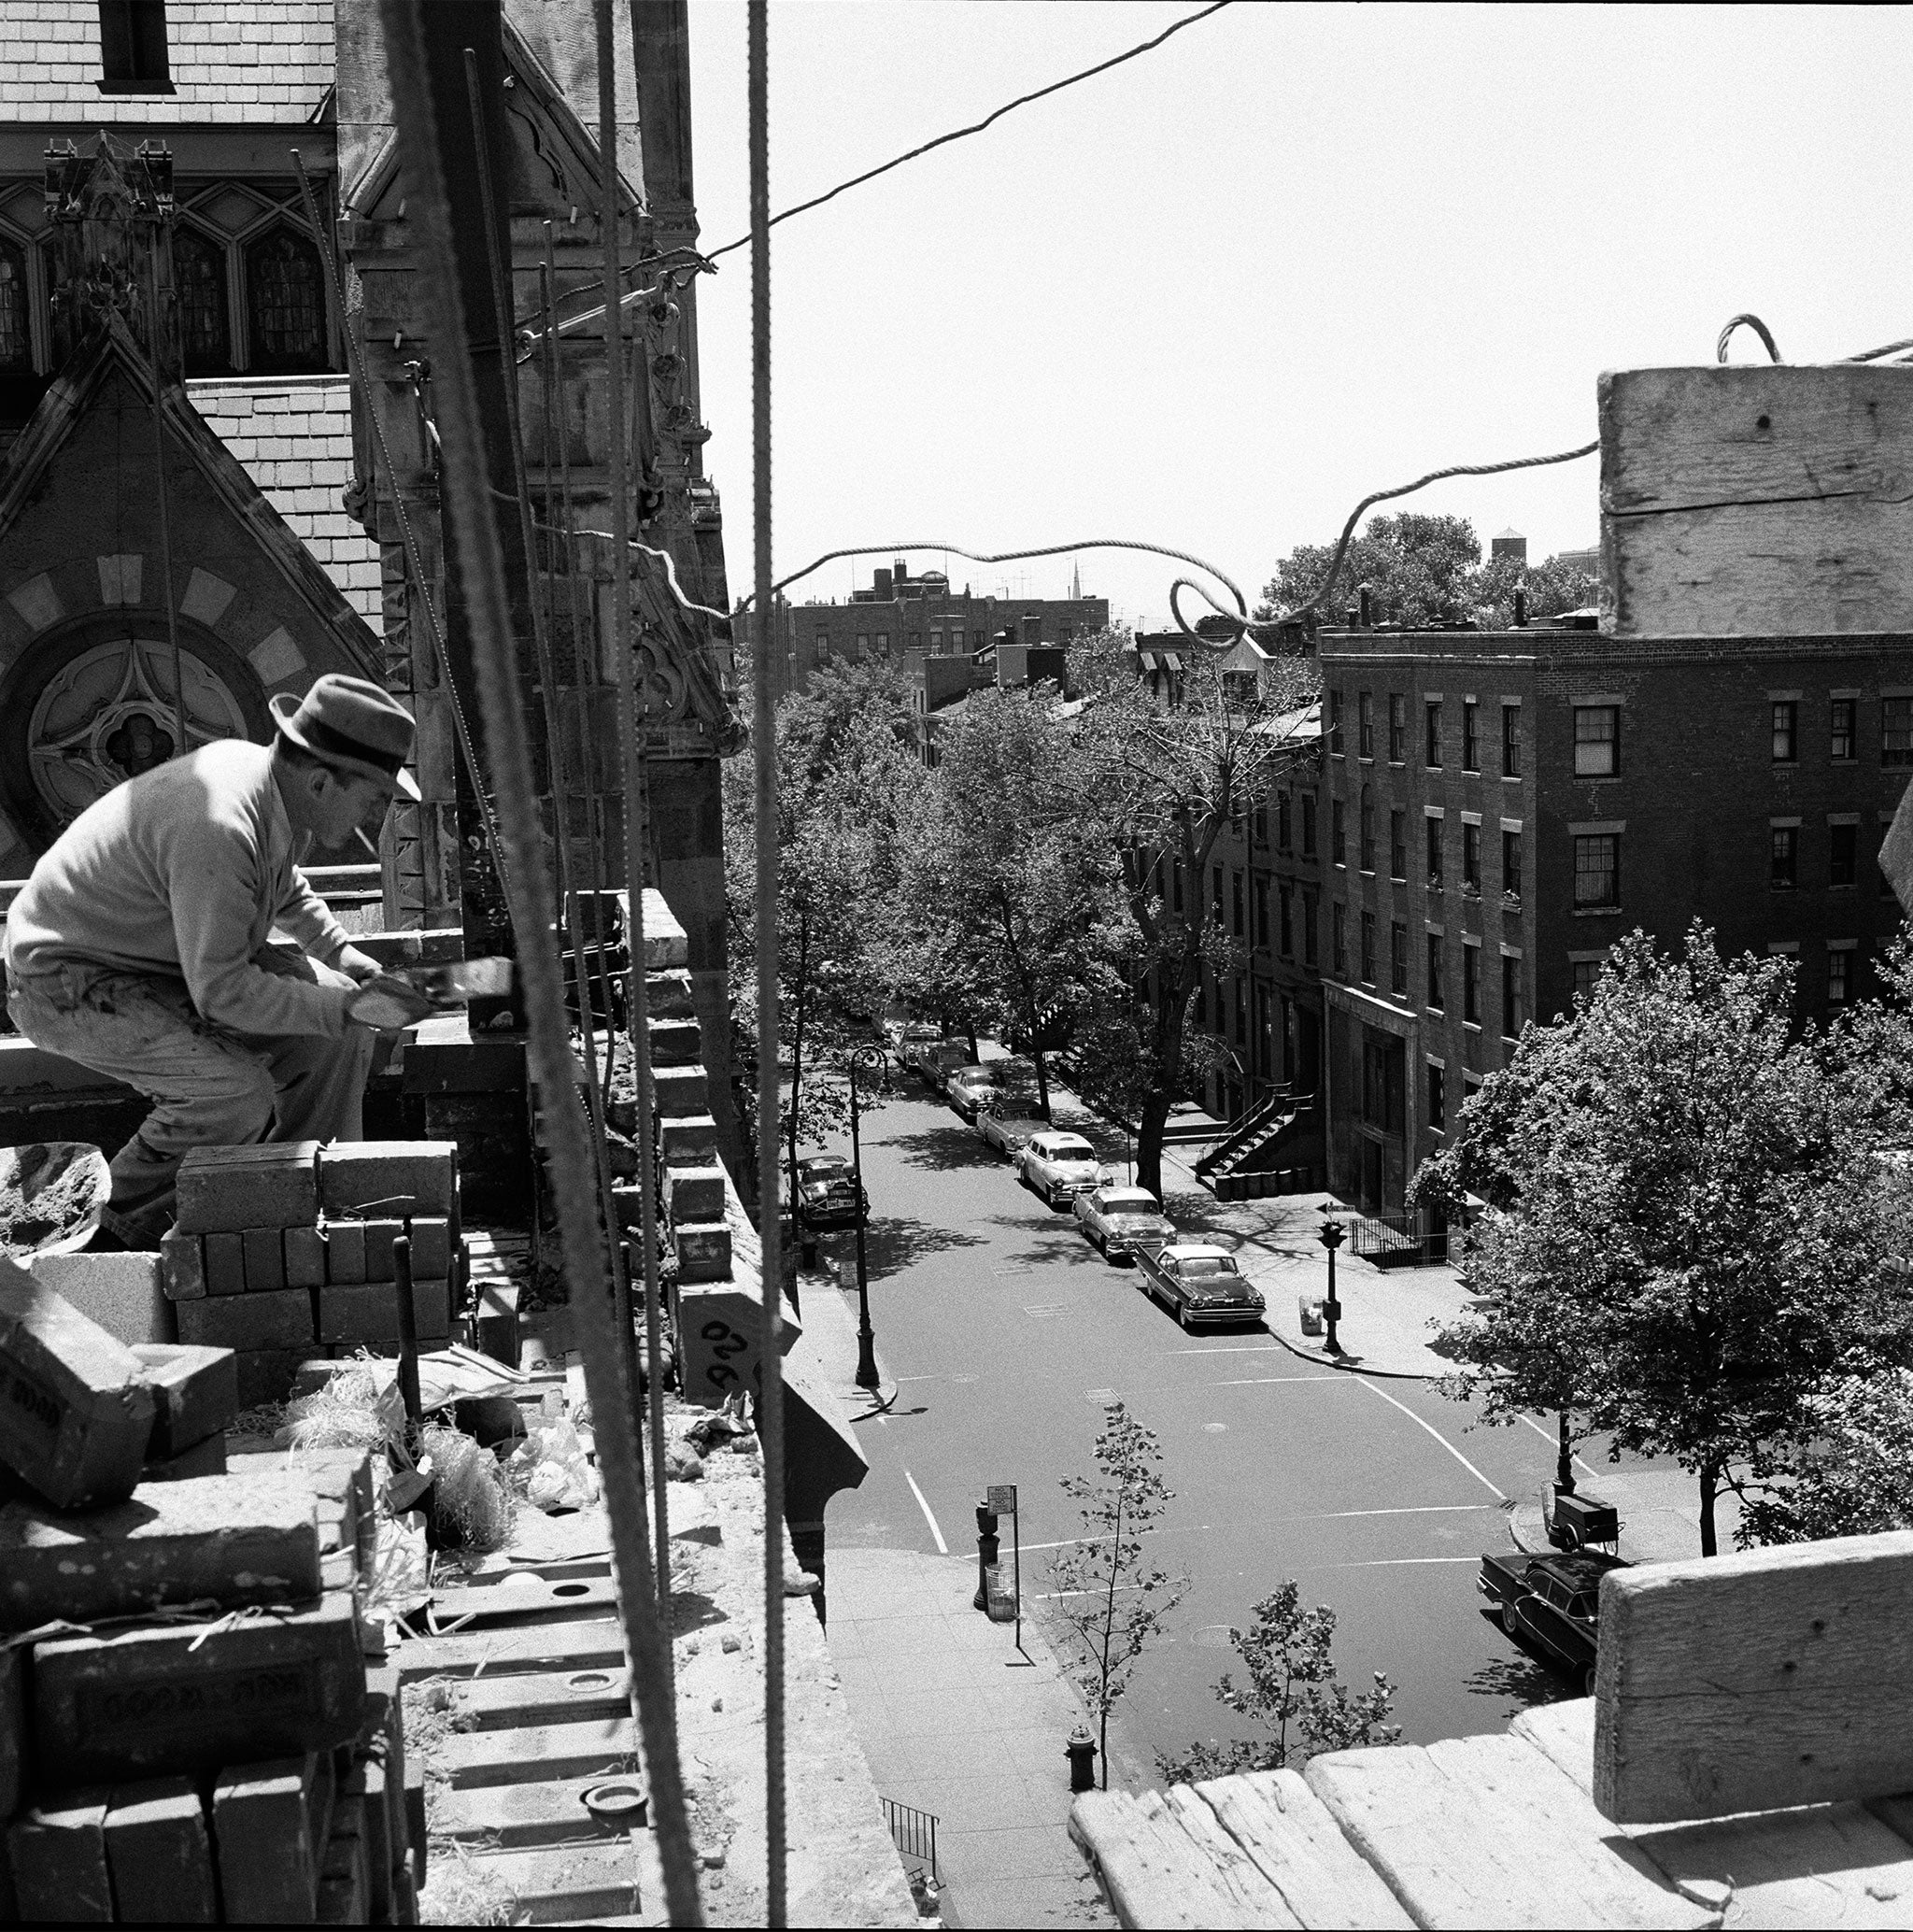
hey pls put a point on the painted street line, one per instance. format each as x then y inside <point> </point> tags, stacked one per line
<point>1466,1464</point>
<point>1056,1596</point>
<point>1070,1541</point>
<point>1262,1381</point>
<point>1432,1509</point>
<point>1234,1348</point>
<point>943,1548</point>
<point>1389,1563</point>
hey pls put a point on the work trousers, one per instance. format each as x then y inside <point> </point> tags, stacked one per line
<point>210,1087</point>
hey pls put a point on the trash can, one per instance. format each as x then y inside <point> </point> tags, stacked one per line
<point>1311,1310</point>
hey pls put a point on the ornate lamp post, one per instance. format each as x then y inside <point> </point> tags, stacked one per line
<point>865,1060</point>
<point>1332,1236</point>
<point>1563,1466</point>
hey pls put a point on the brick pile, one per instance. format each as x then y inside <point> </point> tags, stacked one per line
<point>283,1251</point>
<point>189,1727</point>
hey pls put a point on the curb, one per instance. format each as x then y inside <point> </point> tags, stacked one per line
<point>1350,1365</point>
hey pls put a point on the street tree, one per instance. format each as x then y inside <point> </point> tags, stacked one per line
<point>1688,1226</point>
<point>1551,589</point>
<point>1852,1476</point>
<point>1166,781</point>
<point>1113,1601</point>
<point>1418,570</point>
<point>1293,1692</point>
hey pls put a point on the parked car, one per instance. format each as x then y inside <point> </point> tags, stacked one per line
<point>941,1058</point>
<point>1123,1221</point>
<point>1552,1601</point>
<point>1007,1120</point>
<point>828,1195</point>
<point>968,1086</point>
<point>1059,1166</point>
<point>908,1037</point>
<point>1198,1283</point>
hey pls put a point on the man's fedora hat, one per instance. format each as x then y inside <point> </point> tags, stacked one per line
<point>350,722</point>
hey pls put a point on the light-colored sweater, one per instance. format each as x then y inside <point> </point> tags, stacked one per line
<point>183,872</point>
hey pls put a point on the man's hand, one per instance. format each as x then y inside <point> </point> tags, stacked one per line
<point>385,1004</point>
<point>360,966</point>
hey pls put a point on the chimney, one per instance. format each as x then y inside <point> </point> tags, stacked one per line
<point>1032,632</point>
<point>900,574</point>
<point>882,586</point>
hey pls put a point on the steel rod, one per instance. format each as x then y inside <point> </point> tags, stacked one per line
<point>630,725</point>
<point>468,500</point>
<point>152,354</point>
<point>771,1395</point>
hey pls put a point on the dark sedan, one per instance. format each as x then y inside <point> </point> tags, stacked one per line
<point>828,1195</point>
<point>1551,1601</point>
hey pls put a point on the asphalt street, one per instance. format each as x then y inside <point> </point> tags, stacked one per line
<point>1005,1332</point>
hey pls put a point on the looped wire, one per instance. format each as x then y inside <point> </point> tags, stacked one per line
<point>1758,328</point>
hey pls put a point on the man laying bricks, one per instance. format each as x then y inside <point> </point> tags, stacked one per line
<point>141,946</point>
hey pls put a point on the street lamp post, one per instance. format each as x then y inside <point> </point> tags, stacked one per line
<point>865,1058</point>
<point>1332,1236</point>
<point>1563,1466</point>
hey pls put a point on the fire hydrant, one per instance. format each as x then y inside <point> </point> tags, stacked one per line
<point>987,1547</point>
<point>1080,1752</point>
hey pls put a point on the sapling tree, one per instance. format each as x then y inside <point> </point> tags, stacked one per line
<point>1112,1599</point>
<point>1689,1228</point>
<point>1293,1692</point>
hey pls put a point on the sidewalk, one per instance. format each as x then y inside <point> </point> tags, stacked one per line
<point>1659,1511</point>
<point>953,1721</point>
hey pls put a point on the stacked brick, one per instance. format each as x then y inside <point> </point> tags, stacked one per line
<point>189,1730</point>
<point>282,1250</point>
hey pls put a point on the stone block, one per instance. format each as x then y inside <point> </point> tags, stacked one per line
<point>196,1390</point>
<point>265,1259</point>
<point>370,1314</point>
<point>203,1458</point>
<point>344,1252</point>
<point>668,995</point>
<point>379,1237</point>
<point>233,1540</point>
<point>345,1879</point>
<point>666,943</point>
<point>497,1321</point>
<point>431,1248</point>
<point>691,1142</point>
<point>674,1042</point>
<point>694,1193</point>
<point>182,1267</point>
<point>684,1093</point>
<point>305,1256</point>
<point>77,1409</point>
<point>122,1292</point>
<point>281,1319</point>
<point>365,1178</point>
<point>12,1731</point>
<point>704,1251</point>
<point>160,1855</point>
<point>226,1189</point>
<point>57,1852</point>
<point>225,1263</point>
<point>265,1374</point>
<point>340,1483</point>
<point>264,1820</point>
<point>156,1698</point>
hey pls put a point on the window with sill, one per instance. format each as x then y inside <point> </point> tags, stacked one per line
<point>1308,929</point>
<point>1511,865</point>
<point>1839,981</point>
<point>1286,927</point>
<point>1337,842</point>
<point>1471,735</point>
<point>1398,959</point>
<point>1786,738</point>
<point>1262,914</point>
<point>1431,754</point>
<point>1784,854</point>
<point>1364,723</point>
<point>1340,939</point>
<point>1335,744</point>
<point>1307,825</point>
<point>1470,858</point>
<point>1596,741</point>
<point>133,48</point>
<point>1369,949</point>
<point>1897,732</point>
<point>1513,1006</point>
<point>1398,844</point>
<point>1585,975</point>
<point>1368,828</point>
<point>1841,720</point>
<point>1435,844</point>
<point>1471,983</point>
<point>199,288</point>
<point>1510,740</point>
<point>1843,855</point>
<point>1438,1097</point>
<point>285,293</point>
<point>1239,924</point>
<point>1435,999</point>
<point>1397,727</point>
<point>1596,871</point>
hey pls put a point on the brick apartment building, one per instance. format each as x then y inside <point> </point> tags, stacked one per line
<point>1487,813</point>
<point>910,620</point>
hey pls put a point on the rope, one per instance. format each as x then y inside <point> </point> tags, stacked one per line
<point>769,1401</point>
<point>1750,321</point>
<point>1873,355</point>
<point>552,1065</point>
<point>664,557</point>
<point>816,201</point>
<point>1348,530</point>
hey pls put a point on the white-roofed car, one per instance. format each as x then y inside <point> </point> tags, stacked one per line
<point>1005,1121</point>
<point>940,1060</point>
<point>1059,1166</point>
<point>1123,1221</point>
<point>1198,1284</point>
<point>968,1087</point>
<point>908,1037</point>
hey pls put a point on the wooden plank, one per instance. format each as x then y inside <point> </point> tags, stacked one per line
<point>1287,1830</point>
<point>593,1746</point>
<point>516,1817</point>
<point>1755,1681</point>
<point>594,1644</point>
<point>1486,1831</point>
<point>1757,500</point>
<point>540,1697</point>
<point>1152,1873</point>
<point>524,1596</point>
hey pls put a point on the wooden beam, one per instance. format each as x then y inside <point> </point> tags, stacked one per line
<point>1756,1681</point>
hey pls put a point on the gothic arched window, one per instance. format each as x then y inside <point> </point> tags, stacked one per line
<point>199,277</point>
<point>16,334</point>
<point>286,296</point>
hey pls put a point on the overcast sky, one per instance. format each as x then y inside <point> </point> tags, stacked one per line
<point>1214,297</point>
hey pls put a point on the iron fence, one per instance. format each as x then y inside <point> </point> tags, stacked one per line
<point>913,1833</point>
